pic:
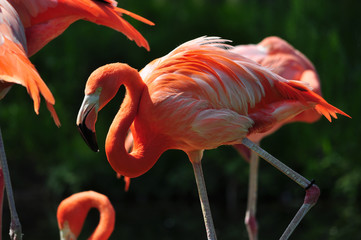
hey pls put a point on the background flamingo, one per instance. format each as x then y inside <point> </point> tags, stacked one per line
<point>73,210</point>
<point>197,97</point>
<point>286,61</point>
<point>43,21</point>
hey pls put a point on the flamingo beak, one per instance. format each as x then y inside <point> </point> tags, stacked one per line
<point>86,121</point>
<point>66,233</point>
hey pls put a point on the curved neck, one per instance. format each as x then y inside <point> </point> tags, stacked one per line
<point>148,146</point>
<point>73,211</point>
<point>106,220</point>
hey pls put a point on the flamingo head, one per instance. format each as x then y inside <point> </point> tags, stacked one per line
<point>274,45</point>
<point>101,87</point>
<point>87,117</point>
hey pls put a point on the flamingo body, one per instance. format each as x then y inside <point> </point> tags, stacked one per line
<point>197,97</point>
<point>73,210</point>
<point>44,20</point>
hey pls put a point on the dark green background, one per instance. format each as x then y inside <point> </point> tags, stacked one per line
<point>48,163</point>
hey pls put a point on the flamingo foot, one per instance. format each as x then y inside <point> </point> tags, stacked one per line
<point>252,226</point>
<point>15,230</point>
<point>312,194</point>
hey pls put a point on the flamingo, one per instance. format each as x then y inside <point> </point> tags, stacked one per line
<point>199,96</point>
<point>73,210</point>
<point>26,27</point>
<point>44,20</point>
<point>286,61</point>
<point>16,68</point>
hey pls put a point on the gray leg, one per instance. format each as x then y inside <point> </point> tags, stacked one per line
<point>195,157</point>
<point>15,226</point>
<point>203,197</point>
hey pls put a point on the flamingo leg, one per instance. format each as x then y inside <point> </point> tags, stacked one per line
<point>15,226</point>
<point>312,191</point>
<point>203,197</point>
<point>195,158</point>
<point>250,219</point>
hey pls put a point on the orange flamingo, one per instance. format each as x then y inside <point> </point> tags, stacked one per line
<point>197,97</point>
<point>44,20</point>
<point>73,210</point>
<point>286,61</point>
<point>16,68</point>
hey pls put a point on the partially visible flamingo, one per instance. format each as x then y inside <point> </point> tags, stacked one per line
<point>73,210</point>
<point>35,23</point>
<point>44,20</point>
<point>16,68</point>
<point>197,97</point>
<point>286,61</point>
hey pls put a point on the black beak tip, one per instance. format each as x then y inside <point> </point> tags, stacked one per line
<point>89,137</point>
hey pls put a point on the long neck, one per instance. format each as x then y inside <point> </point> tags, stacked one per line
<point>147,145</point>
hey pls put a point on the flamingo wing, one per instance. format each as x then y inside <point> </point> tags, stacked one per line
<point>44,20</point>
<point>15,67</point>
<point>203,83</point>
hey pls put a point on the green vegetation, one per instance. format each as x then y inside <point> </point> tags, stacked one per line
<point>48,164</point>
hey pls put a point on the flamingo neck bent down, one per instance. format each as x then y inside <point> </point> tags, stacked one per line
<point>147,145</point>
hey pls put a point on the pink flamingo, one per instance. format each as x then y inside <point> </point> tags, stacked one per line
<point>286,61</point>
<point>197,97</point>
<point>73,210</point>
<point>26,27</point>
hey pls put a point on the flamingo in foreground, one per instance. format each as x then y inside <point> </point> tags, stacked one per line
<point>199,96</point>
<point>16,68</point>
<point>286,61</point>
<point>26,27</point>
<point>73,210</point>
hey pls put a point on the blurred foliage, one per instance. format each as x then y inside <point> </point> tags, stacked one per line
<point>48,164</point>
